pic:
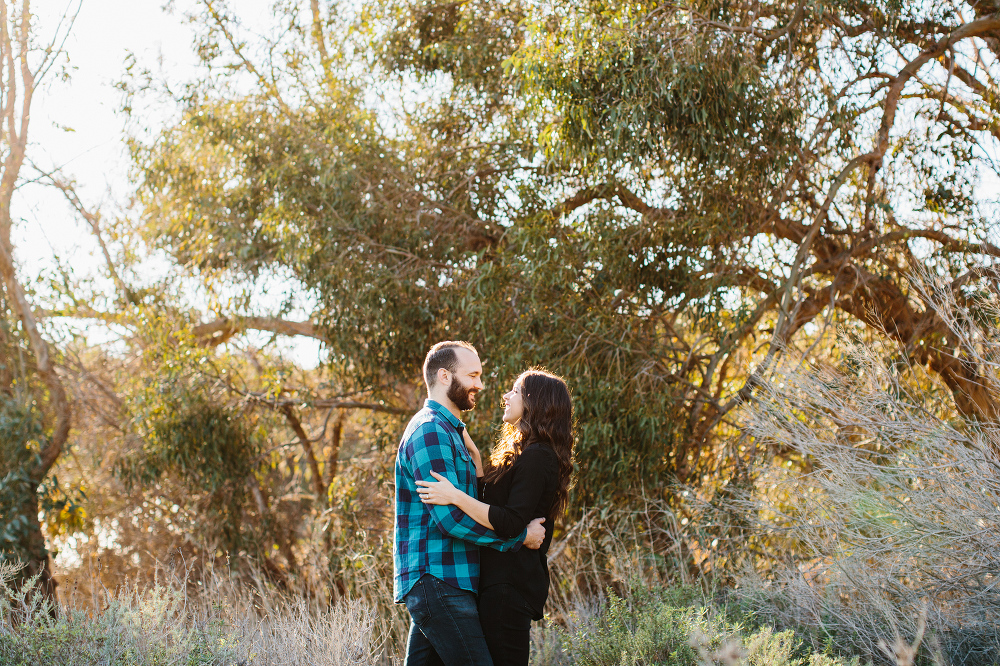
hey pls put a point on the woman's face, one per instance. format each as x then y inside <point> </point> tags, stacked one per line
<point>513,404</point>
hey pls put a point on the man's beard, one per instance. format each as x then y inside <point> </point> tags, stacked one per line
<point>463,396</point>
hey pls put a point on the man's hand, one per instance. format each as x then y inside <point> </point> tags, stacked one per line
<point>536,534</point>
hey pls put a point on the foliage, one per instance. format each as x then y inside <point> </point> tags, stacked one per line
<point>20,427</point>
<point>23,436</point>
<point>209,449</point>
<point>198,452</point>
<point>646,628</point>
<point>886,523</point>
<point>635,195</point>
<point>671,627</point>
<point>636,86</point>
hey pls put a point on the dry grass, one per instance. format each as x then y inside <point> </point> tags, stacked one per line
<point>615,606</point>
<point>881,532</point>
<point>164,625</point>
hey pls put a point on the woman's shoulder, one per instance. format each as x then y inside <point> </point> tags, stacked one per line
<point>539,453</point>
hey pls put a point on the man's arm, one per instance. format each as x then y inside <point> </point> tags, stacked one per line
<point>433,451</point>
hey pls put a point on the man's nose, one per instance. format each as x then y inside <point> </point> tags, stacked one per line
<point>478,384</point>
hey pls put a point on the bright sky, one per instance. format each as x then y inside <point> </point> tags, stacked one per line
<point>91,150</point>
<point>76,125</point>
<point>105,32</point>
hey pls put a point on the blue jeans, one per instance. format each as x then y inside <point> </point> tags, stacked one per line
<point>445,630</point>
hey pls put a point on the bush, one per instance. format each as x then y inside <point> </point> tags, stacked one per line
<point>655,626</point>
<point>648,627</point>
<point>878,524</point>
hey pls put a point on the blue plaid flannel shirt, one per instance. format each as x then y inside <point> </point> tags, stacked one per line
<point>430,539</point>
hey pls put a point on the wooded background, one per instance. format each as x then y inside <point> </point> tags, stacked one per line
<point>658,201</point>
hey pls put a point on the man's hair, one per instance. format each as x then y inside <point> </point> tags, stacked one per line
<point>442,355</point>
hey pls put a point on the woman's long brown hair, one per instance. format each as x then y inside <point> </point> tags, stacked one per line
<point>547,419</point>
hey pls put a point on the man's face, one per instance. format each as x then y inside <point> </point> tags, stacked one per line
<point>466,381</point>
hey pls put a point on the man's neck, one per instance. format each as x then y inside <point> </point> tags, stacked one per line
<point>445,401</point>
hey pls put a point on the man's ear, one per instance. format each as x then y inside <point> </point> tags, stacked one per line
<point>443,377</point>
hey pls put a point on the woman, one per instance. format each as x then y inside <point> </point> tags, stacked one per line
<point>528,478</point>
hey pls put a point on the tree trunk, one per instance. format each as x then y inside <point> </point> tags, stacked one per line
<point>18,88</point>
<point>33,546</point>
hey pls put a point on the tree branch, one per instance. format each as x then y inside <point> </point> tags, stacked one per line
<point>93,219</point>
<point>293,420</point>
<point>952,244</point>
<point>16,138</point>
<point>221,330</point>
<point>317,34</point>
<point>973,29</point>
<point>770,36</point>
<point>581,198</point>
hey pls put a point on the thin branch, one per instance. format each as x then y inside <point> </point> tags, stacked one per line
<point>317,34</point>
<point>94,220</point>
<point>779,336</point>
<point>293,420</point>
<point>220,22</point>
<point>770,36</point>
<point>974,29</point>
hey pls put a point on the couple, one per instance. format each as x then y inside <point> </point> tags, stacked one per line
<point>469,546</point>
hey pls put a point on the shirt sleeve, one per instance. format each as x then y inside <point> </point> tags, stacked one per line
<point>531,476</point>
<point>432,451</point>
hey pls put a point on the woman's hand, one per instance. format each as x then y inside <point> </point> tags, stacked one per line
<point>438,492</point>
<point>477,458</point>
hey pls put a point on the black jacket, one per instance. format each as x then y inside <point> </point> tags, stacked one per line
<point>525,492</point>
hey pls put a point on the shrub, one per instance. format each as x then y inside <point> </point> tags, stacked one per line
<point>881,525</point>
<point>657,626</point>
<point>647,627</point>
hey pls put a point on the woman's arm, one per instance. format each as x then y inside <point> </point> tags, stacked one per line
<point>535,475</point>
<point>443,492</point>
<point>477,458</point>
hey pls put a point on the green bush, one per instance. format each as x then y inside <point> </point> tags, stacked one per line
<point>668,627</point>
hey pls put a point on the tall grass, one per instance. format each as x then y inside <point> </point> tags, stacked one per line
<point>614,605</point>
<point>159,627</point>
<point>164,626</point>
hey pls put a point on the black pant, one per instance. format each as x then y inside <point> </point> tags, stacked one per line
<point>506,619</point>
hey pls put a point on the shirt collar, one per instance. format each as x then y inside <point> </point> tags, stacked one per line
<point>445,412</point>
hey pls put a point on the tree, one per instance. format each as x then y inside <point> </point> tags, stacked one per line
<point>36,410</point>
<point>648,198</point>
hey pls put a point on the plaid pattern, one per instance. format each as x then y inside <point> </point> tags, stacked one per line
<point>430,539</point>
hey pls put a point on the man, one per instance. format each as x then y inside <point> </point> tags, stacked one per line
<point>436,548</point>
